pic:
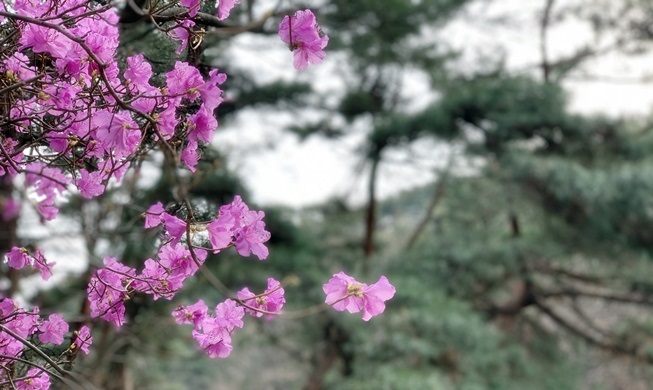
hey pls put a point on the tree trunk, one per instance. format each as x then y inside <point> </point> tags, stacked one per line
<point>370,218</point>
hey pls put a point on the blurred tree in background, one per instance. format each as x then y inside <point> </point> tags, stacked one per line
<point>526,264</point>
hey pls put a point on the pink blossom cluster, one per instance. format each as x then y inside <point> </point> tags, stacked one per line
<point>269,302</point>
<point>77,122</point>
<point>113,284</point>
<point>35,379</point>
<point>304,38</point>
<point>238,225</point>
<point>29,324</point>
<point>235,225</point>
<point>82,108</point>
<point>175,261</point>
<point>213,332</point>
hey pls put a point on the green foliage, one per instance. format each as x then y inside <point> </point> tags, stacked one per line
<point>375,32</point>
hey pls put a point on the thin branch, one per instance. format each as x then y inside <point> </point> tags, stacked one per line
<point>438,194</point>
<point>620,348</point>
<point>544,28</point>
<point>34,348</point>
<point>607,296</point>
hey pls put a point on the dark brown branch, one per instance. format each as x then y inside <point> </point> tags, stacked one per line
<point>550,269</point>
<point>370,218</point>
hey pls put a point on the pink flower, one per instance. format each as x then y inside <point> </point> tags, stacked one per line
<point>35,379</point>
<point>181,33</point>
<point>106,291</point>
<point>193,314</point>
<point>138,72</point>
<point>31,8</point>
<point>215,339</point>
<point>6,167</point>
<point>224,8</point>
<point>117,133</point>
<point>179,261</point>
<point>272,300</point>
<point>245,227</point>
<point>18,65</point>
<point>186,81</point>
<point>153,215</point>
<point>250,238</point>
<point>49,183</point>
<point>212,333</point>
<point>303,36</point>
<point>90,183</point>
<point>189,156</point>
<point>44,40</point>
<point>53,330</point>
<point>345,293</point>
<point>157,281</point>
<point>84,339</point>
<point>210,92</point>
<point>18,258</point>
<point>220,230</point>
<point>229,314</point>
<point>42,265</point>
<point>202,124</point>
<point>167,120</point>
<point>174,226</point>
<point>192,5</point>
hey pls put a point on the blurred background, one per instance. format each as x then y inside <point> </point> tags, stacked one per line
<point>492,158</point>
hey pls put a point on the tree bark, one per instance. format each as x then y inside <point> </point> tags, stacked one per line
<point>370,218</point>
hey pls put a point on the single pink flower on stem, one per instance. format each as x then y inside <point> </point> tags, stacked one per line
<point>138,72</point>
<point>42,265</point>
<point>153,215</point>
<point>215,339</point>
<point>90,183</point>
<point>174,226</point>
<point>181,33</point>
<point>83,339</point>
<point>53,330</point>
<point>190,155</point>
<point>193,314</point>
<point>229,314</point>
<point>220,231</point>
<point>117,133</point>
<point>179,261</point>
<point>250,238</point>
<point>201,125</point>
<point>304,38</point>
<point>271,301</point>
<point>345,293</point>
<point>18,258</point>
